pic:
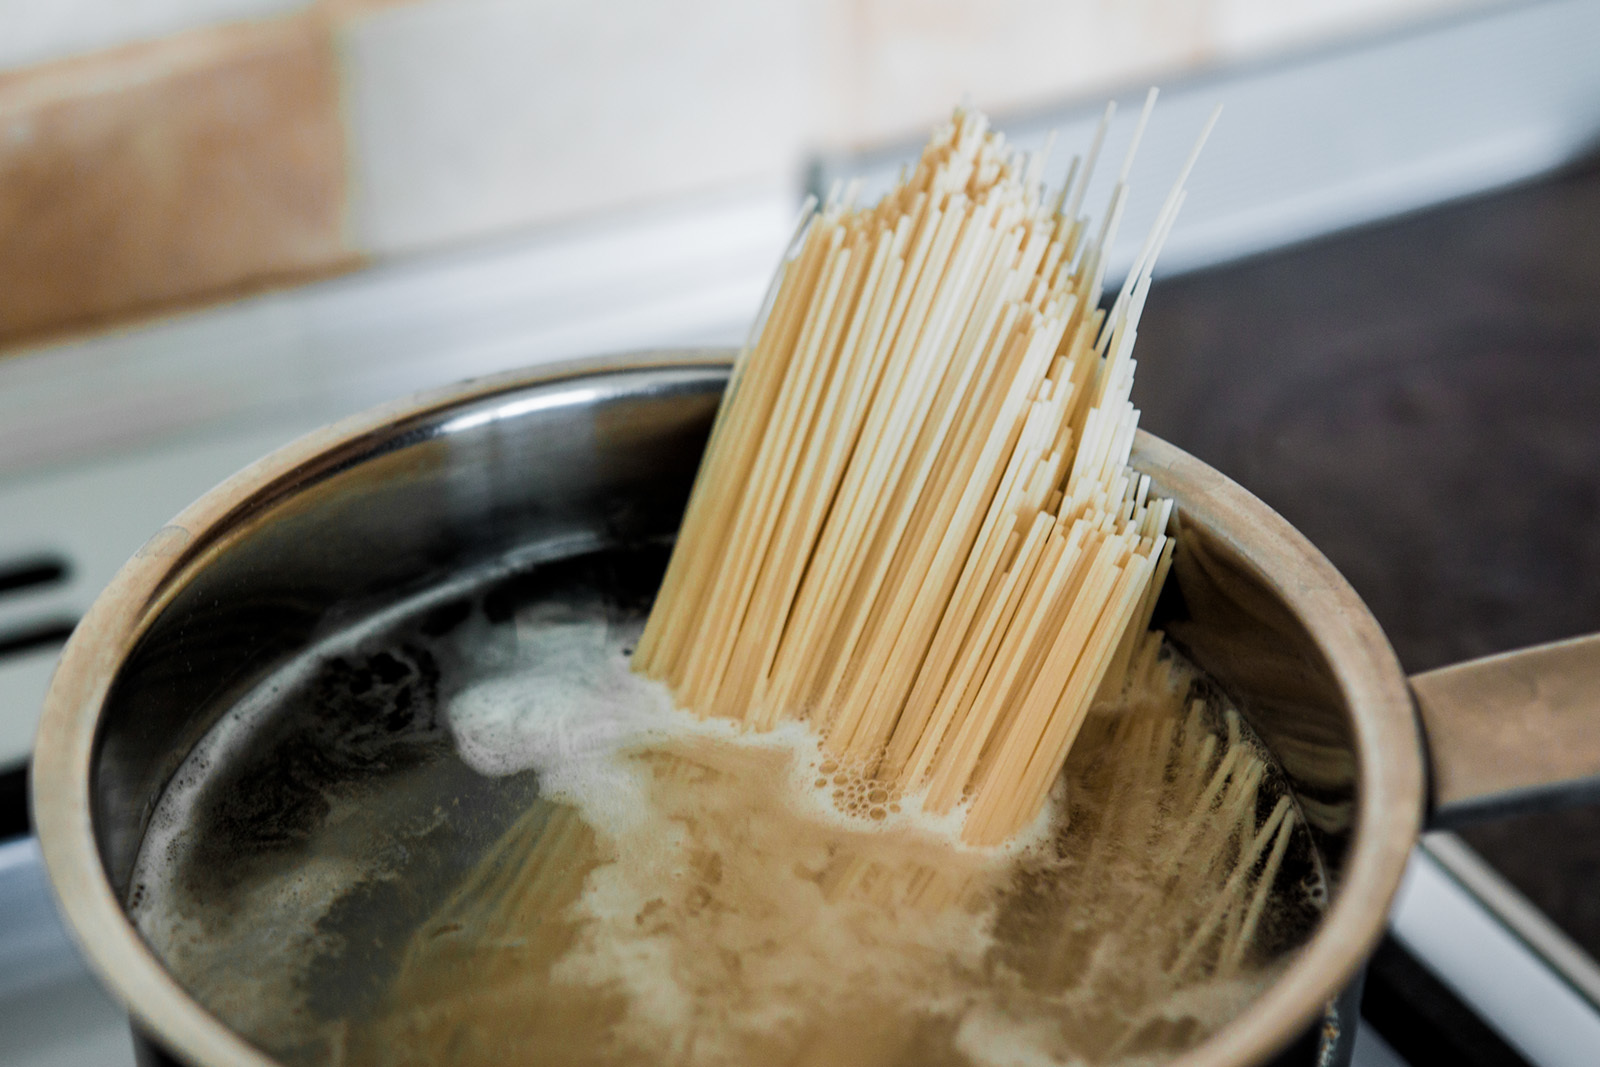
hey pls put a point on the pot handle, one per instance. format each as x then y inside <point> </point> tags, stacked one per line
<point>1515,732</point>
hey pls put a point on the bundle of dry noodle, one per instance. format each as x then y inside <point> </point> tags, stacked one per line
<point>915,525</point>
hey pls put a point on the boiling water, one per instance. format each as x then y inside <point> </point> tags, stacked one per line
<point>464,832</point>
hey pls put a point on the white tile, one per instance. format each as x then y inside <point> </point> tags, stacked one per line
<point>35,31</point>
<point>1255,27</point>
<point>469,116</point>
<point>912,60</point>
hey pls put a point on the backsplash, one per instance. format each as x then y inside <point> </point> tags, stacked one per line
<point>161,154</point>
<point>148,174</point>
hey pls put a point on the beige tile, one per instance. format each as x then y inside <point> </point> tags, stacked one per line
<point>472,116</point>
<point>167,172</point>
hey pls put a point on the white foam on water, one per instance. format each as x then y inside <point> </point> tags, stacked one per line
<point>568,707</point>
<point>565,708</point>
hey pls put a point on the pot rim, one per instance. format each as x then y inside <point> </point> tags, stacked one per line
<point>1390,769</point>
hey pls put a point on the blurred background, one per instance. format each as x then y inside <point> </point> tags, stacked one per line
<point>160,154</point>
<point>226,222</point>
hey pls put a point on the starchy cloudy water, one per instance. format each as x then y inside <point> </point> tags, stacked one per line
<point>552,866</point>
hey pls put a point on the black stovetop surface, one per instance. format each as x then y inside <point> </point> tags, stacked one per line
<point>1422,399</point>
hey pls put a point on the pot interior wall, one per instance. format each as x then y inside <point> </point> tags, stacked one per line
<point>558,468</point>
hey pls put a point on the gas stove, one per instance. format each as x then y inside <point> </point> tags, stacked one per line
<point>1387,329</point>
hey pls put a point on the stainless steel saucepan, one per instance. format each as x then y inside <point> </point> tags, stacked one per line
<point>605,452</point>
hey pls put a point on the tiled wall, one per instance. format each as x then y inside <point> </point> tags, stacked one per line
<point>157,154</point>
